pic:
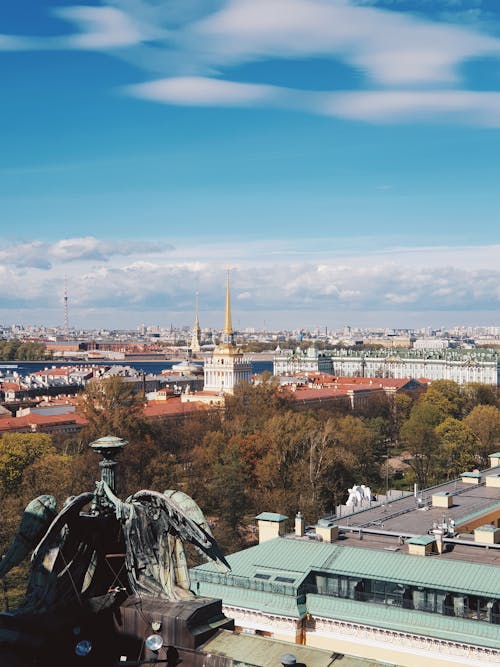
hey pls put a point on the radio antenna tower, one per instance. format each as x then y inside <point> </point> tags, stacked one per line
<point>66,320</point>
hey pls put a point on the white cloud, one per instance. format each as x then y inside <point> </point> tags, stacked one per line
<point>102,28</point>
<point>412,65</point>
<point>203,91</point>
<point>162,282</point>
<point>44,255</point>
<point>29,254</point>
<point>480,108</point>
<point>393,48</point>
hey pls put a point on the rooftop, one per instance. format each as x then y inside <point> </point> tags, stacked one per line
<point>291,592</point>
<point>409,515</point>
<point>266,652</point>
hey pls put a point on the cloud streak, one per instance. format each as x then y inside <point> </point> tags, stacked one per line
<point>481,108</point>
<point>392,48</point>
<point>43,255</point>
<point>410,65</point>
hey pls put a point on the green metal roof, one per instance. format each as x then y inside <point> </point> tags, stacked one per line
<point>299,557</point>
<point>406,620</point>
<point>271,516</point>
<point>263,601</point>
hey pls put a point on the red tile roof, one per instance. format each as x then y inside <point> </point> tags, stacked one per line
<point>10,386</point>
<point>35,422</point>
<point>62,370</point>
<point>170,408</point>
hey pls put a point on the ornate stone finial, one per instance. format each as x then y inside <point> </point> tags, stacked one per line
<point>108,447</point>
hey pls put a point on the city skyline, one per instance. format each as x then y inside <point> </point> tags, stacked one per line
<point>341,156</point>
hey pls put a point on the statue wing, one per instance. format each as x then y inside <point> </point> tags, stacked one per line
<point>65,515</point>
<point>182,525</point>
<point>36,518</point>
<point>190,507</point>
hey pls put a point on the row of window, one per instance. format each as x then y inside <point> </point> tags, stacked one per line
<point>408,597</point>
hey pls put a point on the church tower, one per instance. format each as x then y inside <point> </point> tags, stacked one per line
<point>226,367</point>
<point>196,333</point>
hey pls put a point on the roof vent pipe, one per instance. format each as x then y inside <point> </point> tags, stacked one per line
<point>299,524</point>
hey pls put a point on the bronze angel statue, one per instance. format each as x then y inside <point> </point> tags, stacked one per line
<point>95,553</point>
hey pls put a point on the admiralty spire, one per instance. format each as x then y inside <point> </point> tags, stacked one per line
<point>227,366</point>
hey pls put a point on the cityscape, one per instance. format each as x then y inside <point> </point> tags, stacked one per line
<point>249,333</point>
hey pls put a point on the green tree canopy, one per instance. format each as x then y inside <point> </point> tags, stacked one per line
<point>16,350</point>
<point>484,422</point>
<point>457,448</point>
<point>17,452</point>
<point>475,393</point>
<point>446,396</point>
<point>51,474</point>
<point>418,435</point>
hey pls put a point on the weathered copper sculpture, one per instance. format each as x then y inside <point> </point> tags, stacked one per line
<point>86,564</point>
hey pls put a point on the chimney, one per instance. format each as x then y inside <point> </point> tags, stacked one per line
<point>270,525</point>
<point>494,460</point>
<point>299,525</point>
<point>327,530</point>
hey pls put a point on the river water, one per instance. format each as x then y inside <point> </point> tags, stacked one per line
<point>148,367</point>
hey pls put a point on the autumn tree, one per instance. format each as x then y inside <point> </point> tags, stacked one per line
<point>17,452</point>
<point>281,469</point>
<point>136,467</point>
<point>457,448</point>
<point>113,407</point>
<point>219,485</point>
<point>401,405</point>
<point>252,405</point>
<point>50,474</point>
<point>484,422</point>
<point>418,435</point>
<point>476,393</point>
<point>446,396</point>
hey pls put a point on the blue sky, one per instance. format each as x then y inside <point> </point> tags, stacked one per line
<point>340,155</point>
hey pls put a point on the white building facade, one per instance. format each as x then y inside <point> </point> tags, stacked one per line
<point>461,366</point>
<point>227,366</point>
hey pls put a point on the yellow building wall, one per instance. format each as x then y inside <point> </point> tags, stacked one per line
<point>390,652</point>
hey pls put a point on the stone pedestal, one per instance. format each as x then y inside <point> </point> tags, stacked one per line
<point>183,624</point>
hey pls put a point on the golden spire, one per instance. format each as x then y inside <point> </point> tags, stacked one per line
<point>228,325</point>
<point>196,321</point>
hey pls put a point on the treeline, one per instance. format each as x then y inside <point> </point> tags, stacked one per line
<point>16,350</point>
<point>260,454</point>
